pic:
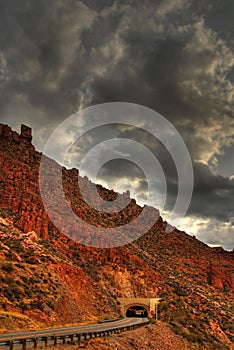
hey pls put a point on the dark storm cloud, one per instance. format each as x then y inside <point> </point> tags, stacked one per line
<point>114,170</point>
<point>172,63</point>
<point>120,173</point>
<point>218,15</point>
<point>213,194</point>
<point>221,163</point>
<point>66,55</point>
<point>43,56</point>
<point>174,56</point>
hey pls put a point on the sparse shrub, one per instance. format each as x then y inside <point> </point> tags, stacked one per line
<point>4,306</point>
<point>8,267</point>
<point>36,304</point>
<point>23,306</point>
<point>192,337</point>
<point>180,292</point>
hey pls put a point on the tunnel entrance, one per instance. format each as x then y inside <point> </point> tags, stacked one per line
<point>136,311</point>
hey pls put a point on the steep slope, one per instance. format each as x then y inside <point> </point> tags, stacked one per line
<point>47,278</point>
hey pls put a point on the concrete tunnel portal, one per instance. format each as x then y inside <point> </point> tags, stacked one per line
<point>138,307</point>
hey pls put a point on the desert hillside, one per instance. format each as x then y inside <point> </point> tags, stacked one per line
<point>49,279</point>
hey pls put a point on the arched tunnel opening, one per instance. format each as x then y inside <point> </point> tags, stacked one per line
<point>136,311</point>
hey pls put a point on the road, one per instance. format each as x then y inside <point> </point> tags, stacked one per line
<point>126,322</point>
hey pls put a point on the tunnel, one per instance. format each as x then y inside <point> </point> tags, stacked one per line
<point>136,311</point>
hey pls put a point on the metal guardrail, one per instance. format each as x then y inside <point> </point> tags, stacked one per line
<point>63,338</point>
<point>110,320</point>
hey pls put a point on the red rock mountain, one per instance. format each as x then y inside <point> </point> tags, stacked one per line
<point>47,278</point>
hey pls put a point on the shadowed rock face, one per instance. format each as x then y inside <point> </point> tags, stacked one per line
<point>196,282</point>
<point>26,133</point>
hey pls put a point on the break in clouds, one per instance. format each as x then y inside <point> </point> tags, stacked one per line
<point>174,56</point>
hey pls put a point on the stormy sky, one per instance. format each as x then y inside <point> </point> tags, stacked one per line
<point>173,56</point>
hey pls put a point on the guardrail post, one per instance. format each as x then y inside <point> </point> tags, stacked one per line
<point>55,340</point>
<point>46,341</point>
<point>72,337</point>
<point>11,343</point>
<point>78,338</point>
<point>64,339</point>
<point>35,342</point>
<point>24,342</point>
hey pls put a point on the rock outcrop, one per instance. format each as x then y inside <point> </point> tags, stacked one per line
<point>19,173</point>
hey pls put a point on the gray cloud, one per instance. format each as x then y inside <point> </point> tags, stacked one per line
<point>213,194</point>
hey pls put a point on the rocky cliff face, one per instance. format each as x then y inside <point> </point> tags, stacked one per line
<point>48,278</point>
<point>19,176</point>
<point>19,180</point>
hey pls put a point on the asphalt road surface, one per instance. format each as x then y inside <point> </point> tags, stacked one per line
<point>69,330</point>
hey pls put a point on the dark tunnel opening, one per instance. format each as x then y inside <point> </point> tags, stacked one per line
<point>136,311</point>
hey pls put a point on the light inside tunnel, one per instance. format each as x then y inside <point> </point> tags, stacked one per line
<point>136,311</point>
